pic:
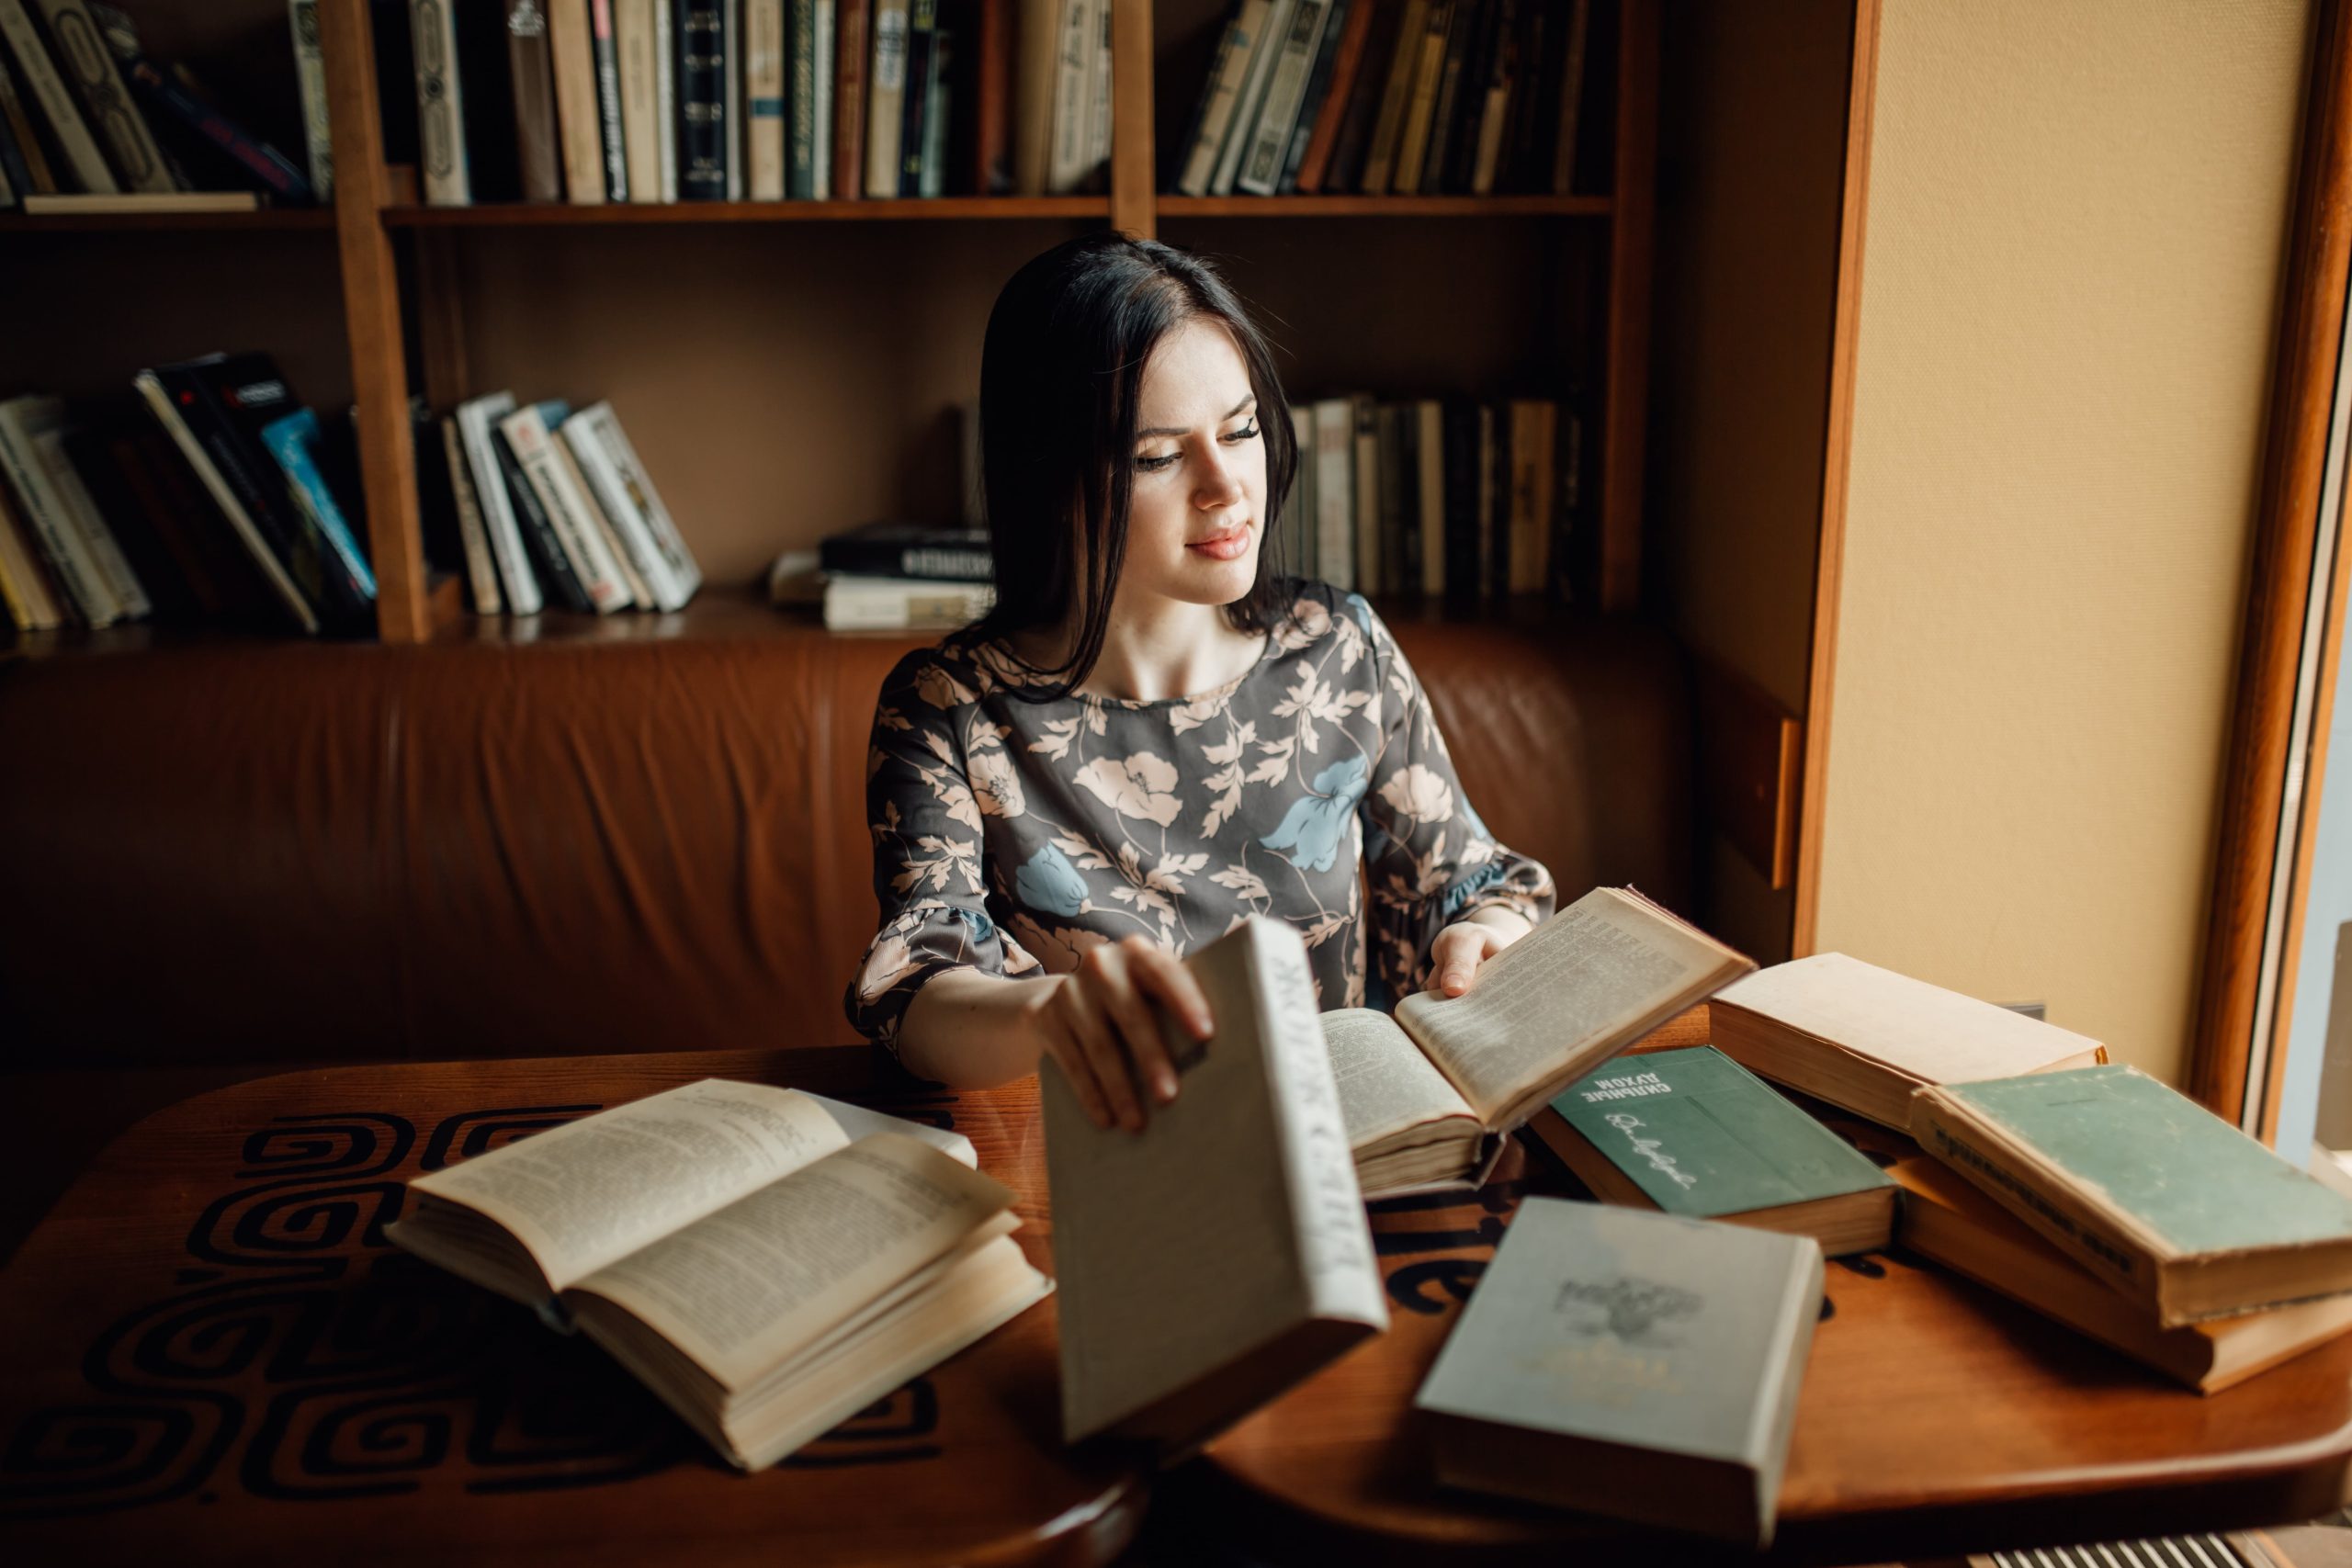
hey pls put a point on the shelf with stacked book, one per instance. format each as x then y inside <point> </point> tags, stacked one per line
<point>542,214</point>
<point>265,220</point>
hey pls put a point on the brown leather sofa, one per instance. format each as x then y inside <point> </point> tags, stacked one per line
<point>644,835</point>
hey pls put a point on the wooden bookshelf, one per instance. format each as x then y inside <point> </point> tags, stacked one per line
<point>1383,205</point>
<point>517,215</point>
<point>312,220</point>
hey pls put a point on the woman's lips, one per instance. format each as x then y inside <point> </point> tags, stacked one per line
<point>1228,545</point>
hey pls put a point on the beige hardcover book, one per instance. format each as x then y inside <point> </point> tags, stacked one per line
<point>763,68</point>
<point>1532,422</point>
<point>1403,64</point>
<point>83,162</point>
<point>1863,1037</point>
<point>765,1264</point>
<point>1946,1219</point>
<point>1035,34</point>
<point>592,512</point>
<point>1413,140</point>
<point>579,119</point>
<point>886,90</point>
<point>1221,1255</point>
<point>1428,415</point>
<point>83,58</point>
<point>82,508</point>
<point>31,604</point>
<point>1429,1092</point>
<point>473,535</point>
<point>641,49</point>
<point>54,526</point>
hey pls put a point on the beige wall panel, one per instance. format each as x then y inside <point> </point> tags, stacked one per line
<point>2074,244</point>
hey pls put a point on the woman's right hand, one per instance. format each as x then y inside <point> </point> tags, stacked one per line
<point>1099,1023</point>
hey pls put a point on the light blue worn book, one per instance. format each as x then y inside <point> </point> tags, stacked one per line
<point>1630,1363</point>
<point>294,441</point>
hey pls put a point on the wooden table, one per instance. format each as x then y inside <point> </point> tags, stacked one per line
<point>208,1352</point>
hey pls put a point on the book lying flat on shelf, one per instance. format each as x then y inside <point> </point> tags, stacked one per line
<point>1693,1132</point>
<point>1947,1220</point>
<point>892,604</point>
<point>1639,1365</point>
<point>1429,1093</point>
<point>2156,1195</point>
<point>1863,1037</point>
<point>767,1262</point>
<point>76,206</point>
<point>1220,1256</point>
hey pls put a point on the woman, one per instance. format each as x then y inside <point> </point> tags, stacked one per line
<point>1154,733</point>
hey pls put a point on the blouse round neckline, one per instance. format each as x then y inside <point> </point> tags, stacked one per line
<point>1006,660</point>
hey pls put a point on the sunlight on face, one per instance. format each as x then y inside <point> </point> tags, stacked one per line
<point>1198,514</point>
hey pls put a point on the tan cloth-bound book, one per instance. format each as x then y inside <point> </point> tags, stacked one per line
<point>765,1261</point>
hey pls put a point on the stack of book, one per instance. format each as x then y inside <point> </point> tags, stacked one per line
<point>215,493</point>
<point>555,510</point>
<point>1451,498</point>
<point>90,123</point>
<point>1380,97</point>
<point>588,101</point>
<point>905,577</point>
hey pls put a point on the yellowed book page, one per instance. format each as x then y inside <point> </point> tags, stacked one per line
<point>1922,1031</point>
<point>1562,1000</point>
<point>583,1195</point>
<point>1386,1084</point>
<point>744,1289</point>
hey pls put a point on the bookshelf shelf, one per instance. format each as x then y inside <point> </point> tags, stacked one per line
<point>1384,205</point>
<point>624,214</point>
<point>313,219</point>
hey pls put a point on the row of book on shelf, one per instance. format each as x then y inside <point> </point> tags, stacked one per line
<point>1382,98</point>
<point>765,100</point>
<point>90,121</point>
<point>1638,1356</point>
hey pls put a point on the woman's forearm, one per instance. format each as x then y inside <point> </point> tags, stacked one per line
<point>968,1030</point>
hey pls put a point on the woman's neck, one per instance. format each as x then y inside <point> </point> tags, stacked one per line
<point>1150,654</point>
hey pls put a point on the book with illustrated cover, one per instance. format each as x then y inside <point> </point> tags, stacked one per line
<point>2160,1199</point>
<point>1639,1365</point>
<point>1429,1093</point>
<point>293,440</point>
<point>1221,1255</point>
<point>1693,1132</point>
<point>765,1261</point>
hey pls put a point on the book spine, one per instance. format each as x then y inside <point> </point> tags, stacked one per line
<point>1502,81</point>
<point>1533,430</point>
<point>582,544</point>
<point>702,100</point>
<point>730,75</point>
<point>1364,493</point>
<point>630,531</point>
<point>612,134</point>
<point>238,456</point>
<point>1036,37</point>
<point>644,500</point>
<point>796,151</point>
<point>937,105</point>
<point>289,441</point>
<point>1429,471</point>
<point>80,148</point>
<point>665,96</point>
<point>851,53</point>
<point>310,76</point>
<point>922,37</point>
<point>639,46</point>
<point>440,124</point>
<point>1396,98</point>
<point>523,594</point>
<point>589,516</point>
<point>268,169</point>
<point>83,515</point>
<point>22,581</point>
<point>1318,94</point>
<point>1098,113</point>
<point>1263,51</point>
<point>531,67</point>
<point>473,535</point>
<point>572,56</point>
<point>83,58</point>
<point>18,119</point>
<point>172,406</point>
<point>992,170</point>
<point>1564,156</point>
<point>936,563</point>
<point>822,74</point>
<point>548,562</point>
<point>1488,466</point>
<point>1335,538</point>
<point>1413,140</point>
<point>85,589</point>
<point>1074,53</point>
<point>1222,86</point>
<point>906,606</point>
<point>885,94</point>
<point>1261,164</point>
<point>1444,118</point>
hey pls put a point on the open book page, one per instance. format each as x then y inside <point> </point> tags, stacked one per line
<point>1555,1004</point>
<point>1386,1084</point>
<point>749,1286</point>
<point>580,1196</point>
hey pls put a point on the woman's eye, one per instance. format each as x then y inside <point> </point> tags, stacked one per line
<point>1153,465</point>
<point>1245,433</point>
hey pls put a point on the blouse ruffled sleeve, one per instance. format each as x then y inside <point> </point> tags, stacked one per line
<point>927,852</point>
<point>1429,858</point>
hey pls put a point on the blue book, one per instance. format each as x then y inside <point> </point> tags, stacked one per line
<point>293,440</point>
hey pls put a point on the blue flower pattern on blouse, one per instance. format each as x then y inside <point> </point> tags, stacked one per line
<point>1049,882</point>
<point>1312,829</point>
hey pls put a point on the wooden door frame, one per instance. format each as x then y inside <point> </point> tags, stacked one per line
<point>2281,578</point>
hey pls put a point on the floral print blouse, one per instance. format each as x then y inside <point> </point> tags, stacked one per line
<point>1012,833</point>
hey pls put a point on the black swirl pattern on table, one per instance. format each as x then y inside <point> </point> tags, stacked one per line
<point>379,1373</point>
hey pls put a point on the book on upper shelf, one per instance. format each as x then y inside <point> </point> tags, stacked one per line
<point>1429,1093</point>
<point>1948,1220</point>
<point>1692,1133</point>
<point>766,1262</point>
<point>1643,1366</point>
<point>2160,1199</point>
<point>1863,1037</point>
<point>1220,1256</point>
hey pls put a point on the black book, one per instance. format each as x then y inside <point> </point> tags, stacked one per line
<point>1495,526</point>
<point>1318,87</point>
<point>923,38</point>
<point>705,137</point>
<point>1534,100</point>
<point>1408,581</point>
<point>607,55</point>
<point>548,563</point>
<point>218,151</point>
<point>88,449</point>
<point>1470,103</point>
<point>1345,171</point>
<point>436,501</point>
<point>486,83</point>
<point>1462,469</point>
<point>179,511</point>
<point>909,549</point>
<point>252,395</point>
<point>395,54</point>
<point>1453,77</point>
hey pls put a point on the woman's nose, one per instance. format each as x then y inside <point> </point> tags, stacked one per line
<point>1220,484</point>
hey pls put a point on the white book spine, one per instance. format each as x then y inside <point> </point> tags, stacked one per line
<point>482,569</point>
<point>765,61</point>
<point>639,46</point>
<point>1261,165</point>
<point>1098,122</point>
<point>1074,60</point>
<point>665,98</point>
<point>440,104</point>
<point>583,545</point>
<point>575,487</point>
<point>679,564</point>
<point>885,89</point>
<point>84,59</point>
<point>1335,527</point>
<point>81,510</point>
<point>310,76</point>
<point>610,491</point>
<point>61,540</point>
<point>1231,68</point>
<point>1263,51</point>
<point>87,164</point>
<point>826,47</point>
<point>474,419</point>
<point>199,461</point>
<point>887,604</point>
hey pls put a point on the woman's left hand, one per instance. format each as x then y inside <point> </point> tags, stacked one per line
<point>1462,947</point>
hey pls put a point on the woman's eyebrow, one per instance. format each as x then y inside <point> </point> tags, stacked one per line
<point>1167,430</point>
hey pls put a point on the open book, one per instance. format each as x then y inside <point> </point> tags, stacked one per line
<point>1429,1094</point>
<point>731,1245</point>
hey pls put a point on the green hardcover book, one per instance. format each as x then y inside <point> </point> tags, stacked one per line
<point>1638,1365</point>
<point>1692,1132</point>
<point>2152,1193</point>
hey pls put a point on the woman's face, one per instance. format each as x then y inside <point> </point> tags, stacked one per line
<point>1198,514</point>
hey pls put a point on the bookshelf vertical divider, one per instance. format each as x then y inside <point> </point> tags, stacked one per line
<point>1133,201</point>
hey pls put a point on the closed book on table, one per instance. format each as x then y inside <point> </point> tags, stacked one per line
<point>2166,1202</point>
<point>1637,1365</point>
<point>1693,1132</point>
<point>1221,1255</point>
<point>1863,1037</point>
<point>1947,1219</point>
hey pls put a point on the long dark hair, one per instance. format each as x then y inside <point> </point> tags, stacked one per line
<point>1061,372</point>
